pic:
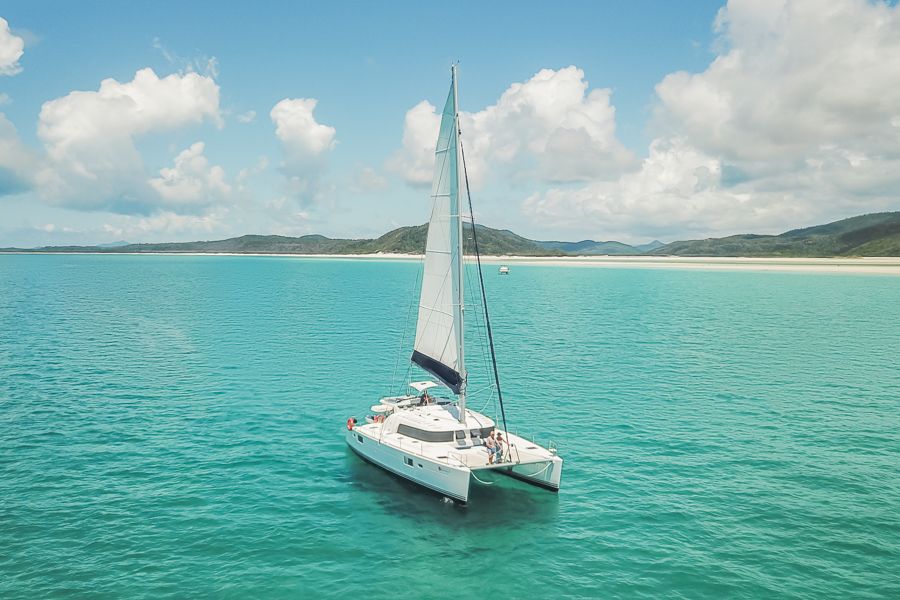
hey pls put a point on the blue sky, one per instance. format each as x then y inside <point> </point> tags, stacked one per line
<point>628,121</point>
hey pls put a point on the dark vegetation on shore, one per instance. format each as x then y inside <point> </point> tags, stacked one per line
<point>875,234</point>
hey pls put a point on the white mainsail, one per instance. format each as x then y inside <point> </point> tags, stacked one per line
<point>439,331</point>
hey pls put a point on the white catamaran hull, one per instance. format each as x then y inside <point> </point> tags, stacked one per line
<point>546,475</point>
<point>452,481</point>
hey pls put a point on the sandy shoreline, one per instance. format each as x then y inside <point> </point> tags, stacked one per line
<point>889,265</point>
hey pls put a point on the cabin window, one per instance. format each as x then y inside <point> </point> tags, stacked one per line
<point>359,438</point>
<point>460,435</point>
<point>408,461</point>
<point>481,433</point>
<point>425,436</point>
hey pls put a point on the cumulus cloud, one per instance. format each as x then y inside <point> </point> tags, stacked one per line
<point>796,77</point>
<point>17,162</point>
<point>305,144</point>
<point>90,136</point>
<point>549,128</point>
<point>675,185</point>
<point>11,49</point>
<point>288,217</point>
<point>164,225</point>
<point>207,65</point>
<point>192,182</point>
<point>304,140</point>
<point>420,130</point>
<point>796,120</point>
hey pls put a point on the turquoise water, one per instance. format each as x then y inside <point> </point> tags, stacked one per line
<point>172,427</point>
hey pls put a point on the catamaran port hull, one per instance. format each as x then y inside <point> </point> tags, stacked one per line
<point>446,479</point>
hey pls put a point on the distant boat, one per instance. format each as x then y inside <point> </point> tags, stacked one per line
<point>504,270</point>
<point>433,441</point>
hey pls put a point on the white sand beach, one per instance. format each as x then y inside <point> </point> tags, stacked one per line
<point>883,265</point>
<point>880,265</point>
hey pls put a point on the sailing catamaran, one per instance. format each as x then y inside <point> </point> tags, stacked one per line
<point>437,442</point>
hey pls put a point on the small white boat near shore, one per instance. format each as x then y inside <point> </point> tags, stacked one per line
<point>504,270</point>
<point>432,440</point>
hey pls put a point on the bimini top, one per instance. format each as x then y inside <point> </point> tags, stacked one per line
<point>421,386</point>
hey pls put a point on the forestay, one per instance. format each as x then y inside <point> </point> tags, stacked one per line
<point>439,340</point>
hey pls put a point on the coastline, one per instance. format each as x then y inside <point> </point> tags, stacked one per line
<point>884,265</point>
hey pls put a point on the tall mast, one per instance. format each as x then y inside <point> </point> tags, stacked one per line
<point>438,348</point>
<point>456,221</point>
<point>487,314</point>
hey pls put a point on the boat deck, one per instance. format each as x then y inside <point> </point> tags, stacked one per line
<point>519,451</point>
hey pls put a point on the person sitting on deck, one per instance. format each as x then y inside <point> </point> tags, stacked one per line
<point>424,399</point>
<point>500,442</point>
<point>491,444</point>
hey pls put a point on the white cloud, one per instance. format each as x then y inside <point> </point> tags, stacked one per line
<point>303,139</point>
<point>287,217</point>
<point>368,180</point>
<point>549,128</point>
<point>89,136</point>
<point>796,121</point>
<point>305,144</point>
<point>17,162</point>
<point>207,65</point>
<point>192,182</point>
<point>676,189</point>
<point>53,228</point>
<point>164,226</point>
<point>794,78</point>
<point>11,49</point>
<point>420,130</point>
<point>247,117</point>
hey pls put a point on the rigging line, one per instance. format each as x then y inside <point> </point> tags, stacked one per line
<point>408,375</point>
<point>405,331</point>
<point>490,400</point>
<point>478,323</point>
<point>482,346</point>
<point>480,328</point>
<point>487,318</point>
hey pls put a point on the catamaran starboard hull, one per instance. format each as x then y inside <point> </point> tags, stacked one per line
<point>546,475</point>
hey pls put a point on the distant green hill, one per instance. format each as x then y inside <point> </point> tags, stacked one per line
<point>867,235</point>
<point>876,234</point>
<point>591,247</point>
<point>411,240</point>
<point>649,246</point>
<point>405,240</point>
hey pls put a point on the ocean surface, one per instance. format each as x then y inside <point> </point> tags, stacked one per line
<point>172,427</point>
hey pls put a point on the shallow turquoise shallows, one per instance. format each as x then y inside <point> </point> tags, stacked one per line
<point>172,427</point>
